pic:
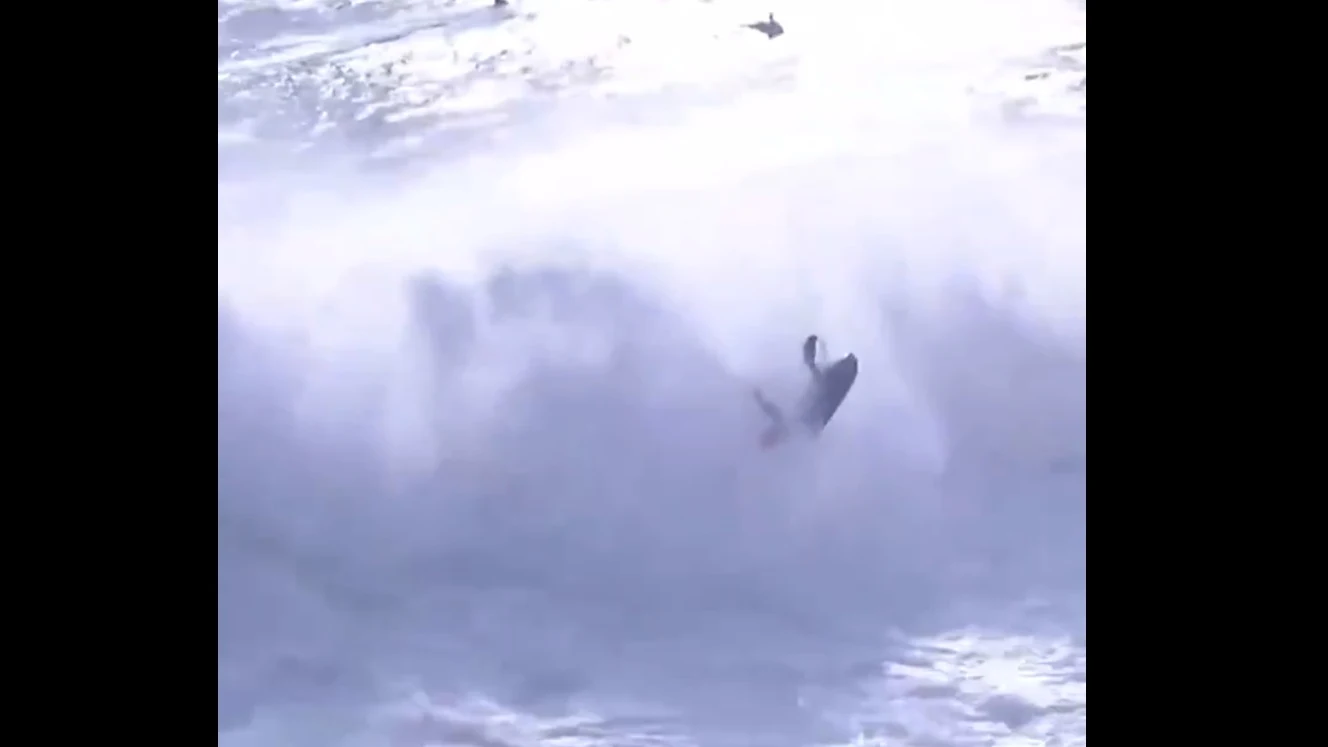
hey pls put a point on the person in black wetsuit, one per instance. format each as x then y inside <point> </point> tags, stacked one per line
<point>810,410</point>
<point>771,28</point>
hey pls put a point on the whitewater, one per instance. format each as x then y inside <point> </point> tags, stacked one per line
<point>495,285</point>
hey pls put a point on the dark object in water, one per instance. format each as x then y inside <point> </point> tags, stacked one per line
<point>770,28</point>
<point>835,383</point>
<point>829,386</point>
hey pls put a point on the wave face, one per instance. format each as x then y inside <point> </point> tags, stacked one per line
<point>494,288</point>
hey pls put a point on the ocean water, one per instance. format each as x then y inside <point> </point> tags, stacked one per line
<point>494,288</point>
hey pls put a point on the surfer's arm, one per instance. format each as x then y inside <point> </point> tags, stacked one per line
<point>770,409</point>
<point>809,356</point>
<point>777,430</point>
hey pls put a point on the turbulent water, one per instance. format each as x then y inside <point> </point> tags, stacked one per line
<point>494,288</point>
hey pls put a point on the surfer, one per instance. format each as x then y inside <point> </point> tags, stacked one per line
<point>771,28</point>
<point>827,390</point>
